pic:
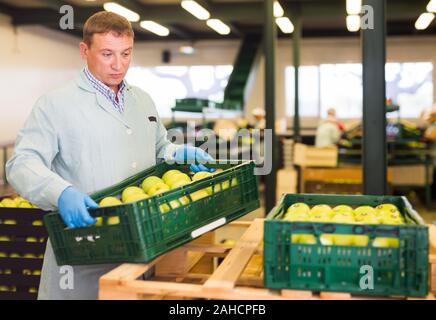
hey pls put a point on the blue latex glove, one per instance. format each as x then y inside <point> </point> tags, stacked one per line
<point>187,153</point>
<point>73,205</point>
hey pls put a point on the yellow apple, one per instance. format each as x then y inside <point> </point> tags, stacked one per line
<point>177,177</point>
<point>386,207</point>
<point>150,182</point>
<point>319,217</point>
<point>158,188</point>
<point>327,239</point>
<point>184,200</point>
<point>99,221</point>
<point>201,175</point>
<point>5,238</point>
<point>25,205</point>
<point>381,242</point>
<point>10,222</point>
<point>343,209</point>
<point>298,207</point>
<point>234,182</point>
<point>306,239</point>
<point>136,197</point>
<point>19,199</point>
<point>110,201</point>
<point>8,203</point>
<point>200,194</point>
<point>342,239</point>
<point>364,209</point>
<point>296,217</point>
<point>37,223</point>
<point>164,208</point>
<point>113,220</point>
<point>179,183</point>
<point>225,184</point>
<point>392,221</point>
<point>321,209</point>
<point>129,191</point>
<point>169,173</point>
<point>360,240</point>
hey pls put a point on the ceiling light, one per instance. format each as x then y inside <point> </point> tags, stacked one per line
<point>285,24</point>
<point>218,26</point>
<point>424,21</point>
<point>122,11</point>
<point>188,50</point>
<point>154,27</point>
<point>278,10</point>
<point>353,23</point>
<point>354,7</point>
<point>431,7</point>
<point>195,9</point>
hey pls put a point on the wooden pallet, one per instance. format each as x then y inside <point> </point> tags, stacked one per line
<point>238,277</point>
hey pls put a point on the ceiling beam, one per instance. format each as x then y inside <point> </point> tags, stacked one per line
<point>139,9</point>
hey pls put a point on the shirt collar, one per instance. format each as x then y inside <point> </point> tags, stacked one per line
<point>100,86</point>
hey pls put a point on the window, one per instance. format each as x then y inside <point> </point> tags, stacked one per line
<point>308,88</point>
<point>165,84</point>
<point>409,84</point>
<point>341,88</point>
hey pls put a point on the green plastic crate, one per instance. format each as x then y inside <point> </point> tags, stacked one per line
<point>401,271</point>
<point>143,232</point>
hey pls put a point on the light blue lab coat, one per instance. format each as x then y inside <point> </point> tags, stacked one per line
<point>74,136</point>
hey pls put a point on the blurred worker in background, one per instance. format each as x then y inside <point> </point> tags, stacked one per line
<point>329,130</point>
<point>259,118</point>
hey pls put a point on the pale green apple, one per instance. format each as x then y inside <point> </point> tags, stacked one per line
<point>129,191</point>
<point>110,201</point>
<point>150,182</point>
<point>158,188</point>
<point>136,197</point>
<point>169,173</point>
<point>200,194</point>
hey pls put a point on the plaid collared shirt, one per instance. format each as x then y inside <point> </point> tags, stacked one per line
<point>117,99</point>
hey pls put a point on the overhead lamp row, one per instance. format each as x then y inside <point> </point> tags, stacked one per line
<point>284,23</point>
<point>426,18</point>
<point>354,9</point>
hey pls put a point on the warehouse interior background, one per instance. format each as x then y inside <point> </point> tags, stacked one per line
<point>195,61</point>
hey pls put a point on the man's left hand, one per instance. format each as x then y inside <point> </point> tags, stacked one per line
<point>188,153</point>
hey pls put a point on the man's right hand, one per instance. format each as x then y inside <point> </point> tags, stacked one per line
<point>73,206</point>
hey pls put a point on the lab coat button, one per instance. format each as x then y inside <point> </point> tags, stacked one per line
<point>134,164</point>
<point>129,131</point>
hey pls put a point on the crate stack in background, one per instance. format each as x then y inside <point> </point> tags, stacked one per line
<point>22,245</point>
<point>288,153</point>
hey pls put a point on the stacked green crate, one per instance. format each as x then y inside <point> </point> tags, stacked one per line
<point>22,245</point>
<point>153,226</point>
<point>395,268</point>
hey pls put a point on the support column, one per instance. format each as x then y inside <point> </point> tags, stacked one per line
<point>374,102</point>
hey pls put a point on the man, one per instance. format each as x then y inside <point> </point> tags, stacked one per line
<point>92,133</point>
<point>328,132</point>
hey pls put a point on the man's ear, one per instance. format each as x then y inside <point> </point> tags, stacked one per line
<point>83,50</point>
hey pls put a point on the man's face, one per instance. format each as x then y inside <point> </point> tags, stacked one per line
<point>109,57</point>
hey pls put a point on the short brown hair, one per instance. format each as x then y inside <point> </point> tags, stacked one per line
<point>104,22</point>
